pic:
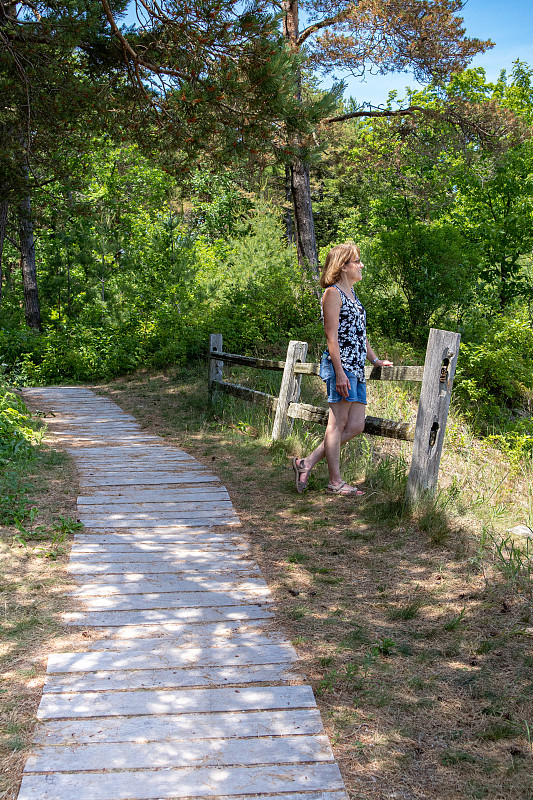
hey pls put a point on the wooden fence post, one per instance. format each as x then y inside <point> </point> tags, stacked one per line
<point>439,370</point>
<point>290,388</point>
<point>215,367</point>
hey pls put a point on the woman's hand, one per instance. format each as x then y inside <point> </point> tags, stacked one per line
<point>342,384</point>
<point>383,363</point>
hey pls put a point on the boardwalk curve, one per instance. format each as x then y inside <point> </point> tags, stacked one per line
<point>187,692</point>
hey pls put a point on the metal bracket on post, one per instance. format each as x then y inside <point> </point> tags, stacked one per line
<point>215,367</point>
<point>290,388</point>
<point>439,371</point>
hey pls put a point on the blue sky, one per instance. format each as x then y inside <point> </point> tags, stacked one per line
<point>509,23</point>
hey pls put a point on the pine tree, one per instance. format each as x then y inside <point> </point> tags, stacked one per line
<point>189,77</point>
<point>425,36</point>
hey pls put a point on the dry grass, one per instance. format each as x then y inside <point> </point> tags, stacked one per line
<point>33,584</point>
<point>418,651</point>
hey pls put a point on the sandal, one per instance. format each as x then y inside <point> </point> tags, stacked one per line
<point>344,490</point>
<point>301,486</point>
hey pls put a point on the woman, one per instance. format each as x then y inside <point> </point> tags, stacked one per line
<point>342,366</point>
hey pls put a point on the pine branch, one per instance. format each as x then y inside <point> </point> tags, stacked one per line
<point>128,49</point>
<point>401,112</point>
<point>317,26</point>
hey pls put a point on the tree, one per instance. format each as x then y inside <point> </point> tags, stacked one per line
<point>52,72</point>
<point>207,76</point>
<point>494,189</point>
<point>425,36</point>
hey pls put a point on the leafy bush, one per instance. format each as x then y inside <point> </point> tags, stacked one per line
<point>426,269</point>
<point>516,440</point>
<point>495,366</point>
<point>16,434</point>
<point>17,449</point>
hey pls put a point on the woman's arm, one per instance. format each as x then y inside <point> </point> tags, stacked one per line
<point>372,357</point>
<point>331,308</point>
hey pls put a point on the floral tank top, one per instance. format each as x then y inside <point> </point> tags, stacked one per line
<point>352,334</point>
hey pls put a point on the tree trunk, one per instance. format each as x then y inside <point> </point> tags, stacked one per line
<point>303,218</point>
<point>300,184</point>
<point>3,229</point>
<point>289,231</point>
<point>32,308</point>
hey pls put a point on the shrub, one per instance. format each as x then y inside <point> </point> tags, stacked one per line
<point>495,366</point>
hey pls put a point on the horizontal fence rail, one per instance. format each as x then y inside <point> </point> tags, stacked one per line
<point>251,395</point>
<point>374,426</point>
<point>427,434</point>
<point>371,373</point>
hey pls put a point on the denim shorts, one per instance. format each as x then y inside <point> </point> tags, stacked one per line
<point>357,388</point>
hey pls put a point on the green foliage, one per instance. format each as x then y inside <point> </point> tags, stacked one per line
<point>264,298</point>
<point>495,364</point>
<point>81,352</point>
<point>217,203</point>
<point>249,288</point>
<point>17,436</point>
<point>427,270</point>
<point>18,439</point>
<point>515,439</point>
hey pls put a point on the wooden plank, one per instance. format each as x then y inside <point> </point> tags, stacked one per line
<point>211,493</point>
<point>158,544</point>
<point>153,520</point>
<point>118,449</point>
<point>185,528</point>
<point>199,638</point>
<point>155,539</point>
<point>92,537</point>
<point>290,388</point>
<point>398,373</point>
<point>244,393</point>
<point>114,464</point>
<point>171,583</point>
<point>92,419</point>
<point>139,438</point>
<point>112,660</point>
<point>107,540</point>
<point>374,426</point>
<point>163,507</point>
<point>216,366</point>
<point>163,479</point>
<point>140,458</point>
<point>204,753</point>
<point>183,600</point>
<point>186,631</point>
<point>250,361</point>
<point>113,704</point>
<point>439,370</point>
<point>169,727</point>
<point>194,565</point>
<point>189,580</point>
<point>177,553</point>
<point>97,619</point>
<point>184,782</point>
<point>168,678</point>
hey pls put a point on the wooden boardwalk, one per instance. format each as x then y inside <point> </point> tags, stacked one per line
<point>187,692</point>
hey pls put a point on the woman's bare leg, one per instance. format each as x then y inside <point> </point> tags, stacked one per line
<point>346,420</point>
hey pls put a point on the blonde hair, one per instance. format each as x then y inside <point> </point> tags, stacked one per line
<point>337,257</point>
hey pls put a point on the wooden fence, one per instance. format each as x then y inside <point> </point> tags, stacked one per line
<point>427,434</point>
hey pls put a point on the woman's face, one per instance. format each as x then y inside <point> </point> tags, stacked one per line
<point>353,269</point>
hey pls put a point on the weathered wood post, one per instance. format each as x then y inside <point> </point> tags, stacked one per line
<point>215,367</point>
<point>290,388</point>
<point>439,370</point>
